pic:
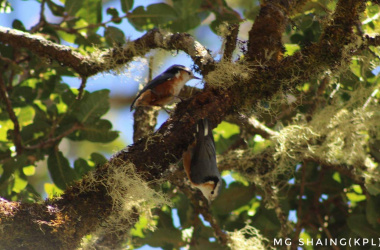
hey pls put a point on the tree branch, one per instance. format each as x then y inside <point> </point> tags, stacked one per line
<point>81,87</point>
<point>200,204</point>
<point>231,41</point>
<point>90,65</point>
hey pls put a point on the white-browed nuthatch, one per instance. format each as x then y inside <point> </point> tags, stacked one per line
<point>200,162</point>
<point>164,87</point>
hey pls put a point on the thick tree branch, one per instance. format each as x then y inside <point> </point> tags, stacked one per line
<point>91,65</point>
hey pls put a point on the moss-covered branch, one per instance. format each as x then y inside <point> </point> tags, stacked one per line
<point>111,59</point>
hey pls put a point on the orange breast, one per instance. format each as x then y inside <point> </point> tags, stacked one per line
<point>161,95</point>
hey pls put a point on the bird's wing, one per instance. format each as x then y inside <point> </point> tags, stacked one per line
<point>203,162</point>
<point>151,85</point>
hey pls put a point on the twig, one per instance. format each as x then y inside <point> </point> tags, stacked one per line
<point>318,97</point>
<point>16,125</point>
<point>251,125</point>
<point>370,98</point>
<point>200,206</point>
<point>51,141</point>
<point>42,20</point>
<point>373,41</point>
<point>327,231</point>
<point>81,87</point>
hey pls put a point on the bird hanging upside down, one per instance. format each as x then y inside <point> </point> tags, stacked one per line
<point>164,88</point>
<point>199,162</point>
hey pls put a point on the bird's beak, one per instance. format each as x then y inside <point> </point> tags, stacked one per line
<point>194,77</point>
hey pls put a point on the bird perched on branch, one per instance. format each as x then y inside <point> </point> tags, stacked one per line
<point>164,88</point>
<point>199,162</point>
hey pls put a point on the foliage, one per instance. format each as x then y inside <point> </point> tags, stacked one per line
<point>317,177</point>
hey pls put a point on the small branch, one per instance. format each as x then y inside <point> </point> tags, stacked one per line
<point>200,205</point>
<point>81,87</point>
<point>52,141</point>
<point>347,170</point>
<point>251,125</point>
<point>42,20</point>
<point>230,42</point>
<point>326,230</point>
<point>17,140</point>
<point>318,97</point>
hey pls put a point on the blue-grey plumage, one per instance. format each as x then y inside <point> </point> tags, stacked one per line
<point>164,87</point>
<point>200,162</point>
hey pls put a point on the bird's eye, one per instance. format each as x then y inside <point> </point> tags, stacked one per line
<point>212,192</point>
<point>189,73</point>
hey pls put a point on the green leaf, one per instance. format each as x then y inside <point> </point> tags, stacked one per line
<point>99,131</point>
<point>354,197</point>
<point>156,15</point>
<point>92,106</point>
<point>29,170</point>
<point>73,6</point>
<point>336,177</point>
<point>266,221</point>
<point>38,129</point>
<point>88,10</point>
<point>166,235</point>
<point>91,11</point>
<point>81,166</point>
<point>98,159</point>
<point>20,181</point>
<point>252,12</point>
<point>226,130</point>
<point>25,115</point>
<point>126,5</point>
<point>10,166</point>
<point>23,94</point>
<point>56,9</point>
<point>373,187</point>
<point>114,36</point>
<point>221,19</point>
<point>358,224</point>
<point>372,211</point>
<point>225,135</point>
<point>60,171</point>
<point>52,190</point>
<point>140,226</point>
<point>291,49</point>
<point>236,196</point>
<point>5,7</point>
<point>114,13</point>
<point>185,211</point>
<point>188,17</point>
<point>18,25</point>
